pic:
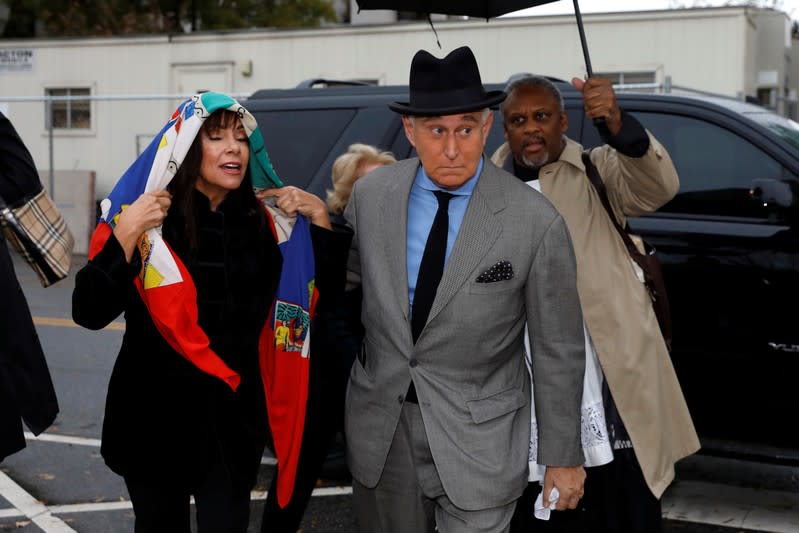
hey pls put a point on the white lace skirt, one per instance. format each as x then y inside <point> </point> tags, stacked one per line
<point>596,443</point>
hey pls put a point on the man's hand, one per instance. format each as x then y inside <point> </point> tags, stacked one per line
<point>599,100</point>
<point>569,481</point>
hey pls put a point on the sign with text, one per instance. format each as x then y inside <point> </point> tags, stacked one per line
<point>16,59</point>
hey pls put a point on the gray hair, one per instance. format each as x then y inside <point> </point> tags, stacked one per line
<point>531,80</point>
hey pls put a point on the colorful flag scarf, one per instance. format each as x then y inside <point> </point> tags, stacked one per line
<point>170,296</point>
<point>285,347</point>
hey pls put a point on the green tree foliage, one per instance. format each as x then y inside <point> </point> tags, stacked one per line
<point>225,14</point>
<point>21,20</point>
<point>68,18</point>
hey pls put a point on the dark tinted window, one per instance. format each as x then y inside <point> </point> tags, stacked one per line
<point>401,147</point>
<point>496,136</point>
<point>784,127</point>
<point>716,166</point>
<point>299,141</point>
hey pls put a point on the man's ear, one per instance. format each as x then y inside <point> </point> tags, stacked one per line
<point>408,127</point>
<point>489,120</point>
<point>486,127</point>
<point>564,122</point>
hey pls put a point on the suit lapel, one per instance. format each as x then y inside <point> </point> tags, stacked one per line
<point>478,232</point>
<point>394,219</point>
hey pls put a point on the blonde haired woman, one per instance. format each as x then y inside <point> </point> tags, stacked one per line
<point>348,168</point>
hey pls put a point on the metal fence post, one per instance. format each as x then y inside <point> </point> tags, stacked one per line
<point>48,118</point>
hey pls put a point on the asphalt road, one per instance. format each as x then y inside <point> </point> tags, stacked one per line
<point>59,483</point>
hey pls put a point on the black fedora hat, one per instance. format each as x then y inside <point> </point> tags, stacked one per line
<point>446,86</point>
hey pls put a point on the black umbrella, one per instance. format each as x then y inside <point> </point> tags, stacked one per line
<point>474,8</point>
<point>483,9</point>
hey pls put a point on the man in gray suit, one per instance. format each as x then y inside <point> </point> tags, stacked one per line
<point>437,416</point>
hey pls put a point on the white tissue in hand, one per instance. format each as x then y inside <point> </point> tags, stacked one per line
<point>541,512</point>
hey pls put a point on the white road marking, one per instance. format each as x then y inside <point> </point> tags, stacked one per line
<point>267,459</point>
<point>317,493</point>
<point>31,508</point>
<point>255,495</point>
<point>91,507</point>
<point>63,439</point>
<point>67,323</point>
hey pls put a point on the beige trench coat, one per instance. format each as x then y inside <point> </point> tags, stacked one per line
<point>616,306</point>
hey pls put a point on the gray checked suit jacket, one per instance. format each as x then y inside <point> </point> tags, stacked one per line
<point>468,363</point>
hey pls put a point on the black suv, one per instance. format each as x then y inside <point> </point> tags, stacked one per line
<point>728,241</point>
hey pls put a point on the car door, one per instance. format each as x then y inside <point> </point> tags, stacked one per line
<point>730,255</point>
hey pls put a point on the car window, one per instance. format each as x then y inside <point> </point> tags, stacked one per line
<point>298,141</point>
<point>716,166</point>
<point>782,126</point>
<point>496,136</point>
<point>401,147</point>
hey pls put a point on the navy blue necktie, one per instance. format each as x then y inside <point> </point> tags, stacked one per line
<point>432,265</point>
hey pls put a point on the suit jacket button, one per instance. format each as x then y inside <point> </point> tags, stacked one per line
<point>400,398</point>
<point>413,363</point>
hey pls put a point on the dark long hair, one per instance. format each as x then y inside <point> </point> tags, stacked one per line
<point>183,184</point>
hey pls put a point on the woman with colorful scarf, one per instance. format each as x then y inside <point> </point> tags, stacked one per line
<point>205,275</point>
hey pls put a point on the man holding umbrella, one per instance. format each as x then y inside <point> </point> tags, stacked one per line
<point>454,256</point>
<point>648,421</point>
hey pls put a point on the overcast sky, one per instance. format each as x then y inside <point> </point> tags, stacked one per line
<point>597,6</point>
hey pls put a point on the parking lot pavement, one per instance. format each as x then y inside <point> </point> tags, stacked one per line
<point>59,483</point>
<point>91,510</point>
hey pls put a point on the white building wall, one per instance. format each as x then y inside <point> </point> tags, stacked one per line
<point>793,76</point>
<point>707,49</point>
<point>702,49</point>
<point>771,70</point>
<point>371,16</point>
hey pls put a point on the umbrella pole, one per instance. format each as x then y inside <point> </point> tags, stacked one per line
<point>599,122</point>
<point>583,42</point>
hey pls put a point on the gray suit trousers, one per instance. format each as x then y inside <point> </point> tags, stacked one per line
<point>409,497</point>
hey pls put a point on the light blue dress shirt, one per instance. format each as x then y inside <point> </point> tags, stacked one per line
<point>422,207</point>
